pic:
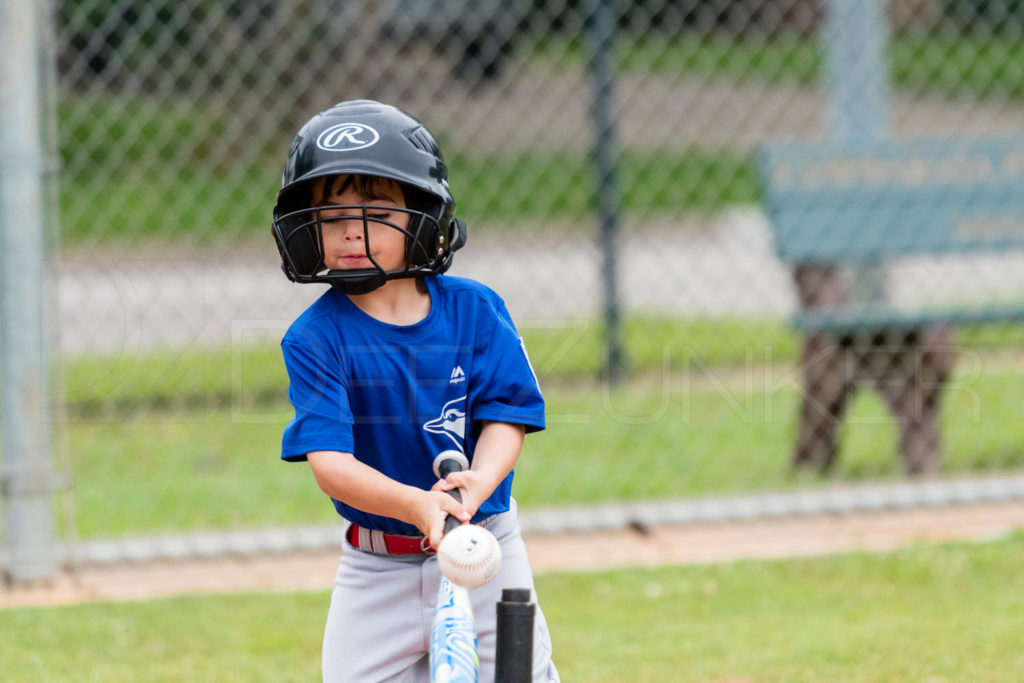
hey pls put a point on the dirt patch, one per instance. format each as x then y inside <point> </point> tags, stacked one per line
<point>637,547</point>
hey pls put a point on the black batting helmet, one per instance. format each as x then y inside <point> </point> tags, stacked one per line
<point>367,138</point>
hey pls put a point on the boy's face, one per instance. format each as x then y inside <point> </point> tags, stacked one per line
<point>345,244</point>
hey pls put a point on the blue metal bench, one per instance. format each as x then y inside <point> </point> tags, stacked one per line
<point>869,204</point>
<point>860,207</point>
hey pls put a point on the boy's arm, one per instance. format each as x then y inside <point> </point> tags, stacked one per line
<point>344,478</point>
<point>497,450</point>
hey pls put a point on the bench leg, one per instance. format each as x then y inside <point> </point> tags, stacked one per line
<point>913,386</point>
<point>828,383</point>
<point>828,387</point>
<point>908,368</point>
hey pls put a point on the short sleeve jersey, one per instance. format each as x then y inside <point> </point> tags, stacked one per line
<point>397,396</point>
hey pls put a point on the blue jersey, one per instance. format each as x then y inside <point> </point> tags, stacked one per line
<point>396,396</point>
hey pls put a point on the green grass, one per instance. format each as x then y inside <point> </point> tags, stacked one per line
<point>246,377</point>
<point>692,431</point>
<point>146,129</point>
<point>189,440</point>
<point>169,204</point>
<point>551,184</point>
<point>783,58</point>
<point>179,441</point>
<point>714,433</point>
<point>142,169</point>
<point>981,65</point>
<point>249,377</point>
<point>154,201</point>
<point>114,387</point>
<point>119,183</point>
<point>927,613</point>
<point>193,471</point>
<point>236,638</point>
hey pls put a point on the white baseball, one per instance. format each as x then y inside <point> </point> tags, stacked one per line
<point>469,556</point>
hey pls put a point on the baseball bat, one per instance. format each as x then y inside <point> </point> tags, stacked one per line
<point>453,653</point>
<point>514,649</point>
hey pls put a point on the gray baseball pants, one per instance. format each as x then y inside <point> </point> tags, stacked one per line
<point>382,607</point>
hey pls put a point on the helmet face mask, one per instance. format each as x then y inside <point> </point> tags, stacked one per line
<point>300,238</point>
<point>365,140</point>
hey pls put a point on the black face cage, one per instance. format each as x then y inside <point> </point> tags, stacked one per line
<point>299,237</point>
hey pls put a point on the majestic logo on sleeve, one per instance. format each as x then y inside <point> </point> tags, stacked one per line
<point>451,423</point>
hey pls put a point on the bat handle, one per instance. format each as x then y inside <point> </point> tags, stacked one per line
<point>450,522</point>
<point>444,464</point>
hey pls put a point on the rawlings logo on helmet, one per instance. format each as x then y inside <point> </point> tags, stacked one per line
<point>346,137</point>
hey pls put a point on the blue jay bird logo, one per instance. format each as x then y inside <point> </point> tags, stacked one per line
<point>451,423</point>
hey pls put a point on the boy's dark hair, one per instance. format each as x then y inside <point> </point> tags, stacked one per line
<point>368,186</point>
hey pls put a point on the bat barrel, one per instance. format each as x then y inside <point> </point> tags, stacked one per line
<point>453,642</point>
<point>514,649</point>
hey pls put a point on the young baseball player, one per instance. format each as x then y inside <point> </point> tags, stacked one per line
<point>393,365</point>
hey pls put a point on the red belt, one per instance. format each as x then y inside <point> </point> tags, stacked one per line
<point>373,541</point>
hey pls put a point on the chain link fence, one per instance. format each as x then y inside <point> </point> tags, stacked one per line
<point>174,119</point>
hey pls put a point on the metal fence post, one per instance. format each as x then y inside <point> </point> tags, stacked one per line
<point>856,32</point>
<point>858,99</point>
<point>26,475</point>
<point>601,30</point>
